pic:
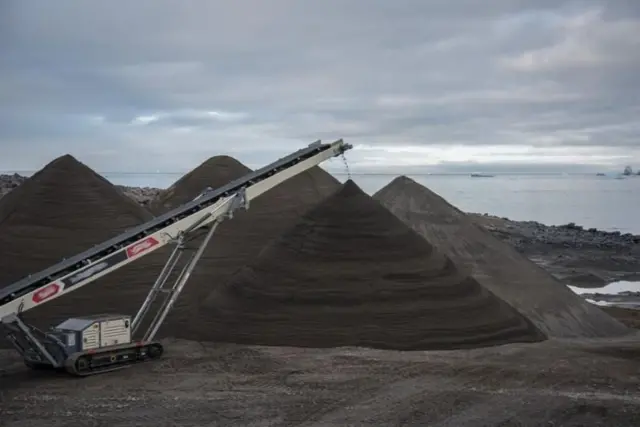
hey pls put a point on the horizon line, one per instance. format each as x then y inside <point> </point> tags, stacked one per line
<point>26,172</point>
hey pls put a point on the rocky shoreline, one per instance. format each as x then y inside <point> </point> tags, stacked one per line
<point>523,234</point>
<point>577,256</point>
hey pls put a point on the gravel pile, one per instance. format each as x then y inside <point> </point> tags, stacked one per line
<point>352,274</point>
<point>142,195</point>
<point>215,172</point>
<point>62,210</point>
<point>240,240</point>
<point>553,307</point>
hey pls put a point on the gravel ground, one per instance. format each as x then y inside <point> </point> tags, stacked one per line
<point>568,383</point>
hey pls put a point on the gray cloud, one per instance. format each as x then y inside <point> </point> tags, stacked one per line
<point>162,85</point>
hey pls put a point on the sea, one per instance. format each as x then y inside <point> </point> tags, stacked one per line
<point>610,203</point>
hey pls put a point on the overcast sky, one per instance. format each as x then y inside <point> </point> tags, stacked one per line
<point>158,85</point>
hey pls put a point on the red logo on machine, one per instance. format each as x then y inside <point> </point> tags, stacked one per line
<point>46,293</point>
<point>143,246</point>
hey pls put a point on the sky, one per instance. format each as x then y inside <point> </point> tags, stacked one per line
<point>423,86</point>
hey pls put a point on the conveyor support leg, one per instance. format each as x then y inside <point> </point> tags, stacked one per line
<point>174,291</point>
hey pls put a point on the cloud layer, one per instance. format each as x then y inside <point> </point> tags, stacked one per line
<point>163,85</point>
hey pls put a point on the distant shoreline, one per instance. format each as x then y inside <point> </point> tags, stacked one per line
<point>530,230</point>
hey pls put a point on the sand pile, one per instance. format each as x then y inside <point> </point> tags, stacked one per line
<point>214,173</point>
<point>352,274</point>
<point>62,210</point>
<point>238,240</point>
<point>553,308</point>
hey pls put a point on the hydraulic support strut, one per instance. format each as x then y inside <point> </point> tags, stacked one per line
<point>172,293</point>
<point>31,343</point>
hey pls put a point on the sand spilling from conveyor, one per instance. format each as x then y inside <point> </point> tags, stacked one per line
<point>352,274</point>
<point>62,210</point>
<point>239,240</point>
<point>551,305</point>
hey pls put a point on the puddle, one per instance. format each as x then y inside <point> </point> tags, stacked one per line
<point>611,289</point>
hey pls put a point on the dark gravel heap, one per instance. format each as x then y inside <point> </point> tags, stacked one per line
<point>141,195</point>
<point>62,210</point>
<point>214,173</point>
<point>352,274</point>
<point>239,240</point>
<point>553,307</point>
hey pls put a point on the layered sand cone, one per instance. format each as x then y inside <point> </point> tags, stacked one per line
<point>239,240</point>
<point>62,210</point>
<point>551,305</point>
<point>352,274</point>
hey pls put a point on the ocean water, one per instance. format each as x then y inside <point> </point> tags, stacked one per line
<point>602,202</point>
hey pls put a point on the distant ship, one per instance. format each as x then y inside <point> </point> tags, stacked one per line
<point>481,175</point>
<point>627,171</point>
<point>601,174</point>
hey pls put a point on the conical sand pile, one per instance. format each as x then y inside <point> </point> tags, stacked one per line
<point>214,173</point>
<point>553,307</point>
<point>62,210</point>
<point>239,240</point>
<point>351,274</point>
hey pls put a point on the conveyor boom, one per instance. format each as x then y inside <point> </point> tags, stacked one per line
<point>82,269</point>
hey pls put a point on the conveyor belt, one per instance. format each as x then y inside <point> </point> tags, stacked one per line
<point>80,266</point>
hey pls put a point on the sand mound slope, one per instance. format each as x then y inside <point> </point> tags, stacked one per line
<point>351,274</point>
<point>214,173</point>
<point>553,307</point>
<point>239,240</point>
<point>62,210</point>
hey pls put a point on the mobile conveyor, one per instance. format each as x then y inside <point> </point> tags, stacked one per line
<point>105,342</point>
